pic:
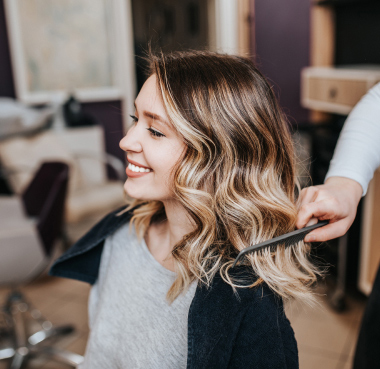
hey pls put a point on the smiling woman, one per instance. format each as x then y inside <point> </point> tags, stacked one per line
<point>211,170</point>
<point>153,147</point>
<point>226,162</point>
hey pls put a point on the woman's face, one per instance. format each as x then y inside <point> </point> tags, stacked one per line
<point>153,147</point>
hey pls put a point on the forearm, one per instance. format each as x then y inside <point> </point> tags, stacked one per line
<point>356,157</point>
<point>357,154</point>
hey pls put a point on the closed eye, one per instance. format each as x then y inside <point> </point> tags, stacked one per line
<point>135,119</point>
<point>152,131</point>
<point>155,133</point>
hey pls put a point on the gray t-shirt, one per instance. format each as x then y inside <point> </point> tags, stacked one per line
<point>131,323</point>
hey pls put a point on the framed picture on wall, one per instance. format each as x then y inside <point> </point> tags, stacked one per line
<point>59,47</point>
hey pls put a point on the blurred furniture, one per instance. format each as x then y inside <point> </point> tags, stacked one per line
<point>29,228</point>
<point>83,150</point>
<point>18,119</point>
<point>336,90</point>
<point>342,36</point>
<point>370,238</point>
<point>74,115</point>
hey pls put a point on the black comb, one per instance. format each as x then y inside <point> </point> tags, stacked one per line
<point>288,239</point>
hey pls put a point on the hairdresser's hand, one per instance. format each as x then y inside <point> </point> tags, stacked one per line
<point>337,200</point>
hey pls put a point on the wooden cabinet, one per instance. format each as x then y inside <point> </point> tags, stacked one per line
<point>370,239</point>
<point>327,89</point>
<point>336,90</point>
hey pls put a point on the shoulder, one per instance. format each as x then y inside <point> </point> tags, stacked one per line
<point>265,333</point>
<point>246,328</point>
<point>258,298</point>
<point>82,260</point>
<point>100,231</point>
<point>262,306</point>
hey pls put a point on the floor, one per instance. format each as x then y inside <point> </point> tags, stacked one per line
<point>325,338</point>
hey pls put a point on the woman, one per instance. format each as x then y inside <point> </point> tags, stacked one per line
<point>211,169</point>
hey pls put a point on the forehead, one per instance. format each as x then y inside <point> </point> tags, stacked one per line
<point>149,97</point>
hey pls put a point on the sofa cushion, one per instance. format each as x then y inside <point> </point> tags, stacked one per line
<point>86,144</point>
<point>83,203</point>
<point>22,156</point>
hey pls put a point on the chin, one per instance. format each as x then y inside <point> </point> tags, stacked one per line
<point>138,192</point>
<point>133,191</point>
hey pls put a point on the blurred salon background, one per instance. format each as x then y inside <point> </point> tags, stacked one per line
<point>69,73</point>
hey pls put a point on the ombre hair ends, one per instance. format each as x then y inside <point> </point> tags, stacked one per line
<point>237,178</point>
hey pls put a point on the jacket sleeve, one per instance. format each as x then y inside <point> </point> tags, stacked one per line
<point>265,339</point>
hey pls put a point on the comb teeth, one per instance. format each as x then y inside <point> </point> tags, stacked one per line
<point>292,240</point>
<point>287,239</point>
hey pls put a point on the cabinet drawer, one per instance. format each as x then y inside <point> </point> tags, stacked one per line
<point>335,90</point>
<point>343,92</point>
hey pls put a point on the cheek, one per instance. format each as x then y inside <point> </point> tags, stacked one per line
<point>167,161</point>
<point>162,175</point>
<point>156,186</point>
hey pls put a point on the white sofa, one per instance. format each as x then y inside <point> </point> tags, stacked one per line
<point>83,150</point>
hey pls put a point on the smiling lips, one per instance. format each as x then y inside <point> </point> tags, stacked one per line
<point>135,170</point>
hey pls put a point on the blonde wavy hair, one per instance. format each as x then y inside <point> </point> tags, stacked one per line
<point>237,178</point>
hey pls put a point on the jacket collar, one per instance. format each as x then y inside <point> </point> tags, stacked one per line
<point>215,313</point>
<point>214,306</point>
<point>82,260</point>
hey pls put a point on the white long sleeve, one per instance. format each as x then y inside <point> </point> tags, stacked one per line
<point>357,153</point>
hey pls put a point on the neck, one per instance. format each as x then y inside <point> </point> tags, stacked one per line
<point>178,224</point>
<point>163,236</point>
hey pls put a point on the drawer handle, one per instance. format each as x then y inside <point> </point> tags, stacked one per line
<point>333,92</point>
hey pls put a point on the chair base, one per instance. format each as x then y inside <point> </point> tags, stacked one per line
<point>21,346</point>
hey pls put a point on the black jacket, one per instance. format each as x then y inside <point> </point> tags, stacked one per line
<point>225,330</point>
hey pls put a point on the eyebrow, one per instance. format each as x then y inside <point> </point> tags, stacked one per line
<point>155,117</point>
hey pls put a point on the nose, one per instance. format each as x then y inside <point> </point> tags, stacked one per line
<point>131,141</point>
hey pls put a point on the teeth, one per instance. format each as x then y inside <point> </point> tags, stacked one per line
<point>135,168</point>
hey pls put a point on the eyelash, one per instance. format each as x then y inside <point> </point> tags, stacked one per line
<point>152,131</point>
<point>133,118</point>
<point>155,133</point>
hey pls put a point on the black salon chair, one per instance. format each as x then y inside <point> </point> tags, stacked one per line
<point>29,228</point>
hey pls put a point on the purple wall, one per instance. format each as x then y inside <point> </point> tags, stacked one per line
<point>282,32</point>
<point>110,117</point>
<point>108,113</point>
